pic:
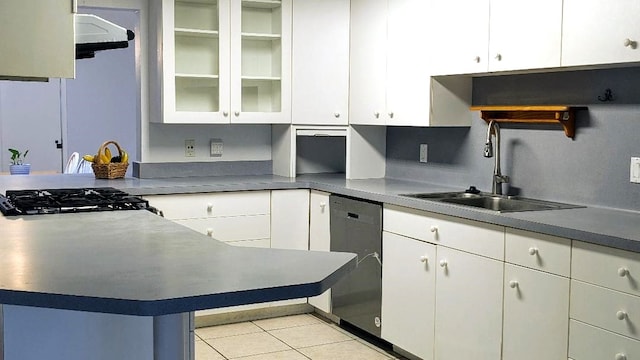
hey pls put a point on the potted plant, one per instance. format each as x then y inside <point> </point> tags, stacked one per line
<point>18,167</point>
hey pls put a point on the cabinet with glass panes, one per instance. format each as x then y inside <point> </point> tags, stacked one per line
<point>226,61</point>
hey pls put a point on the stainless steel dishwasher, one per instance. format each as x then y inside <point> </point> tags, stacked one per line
<point>356,226</point>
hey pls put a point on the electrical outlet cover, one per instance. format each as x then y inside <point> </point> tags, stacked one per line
<point>189,148</point>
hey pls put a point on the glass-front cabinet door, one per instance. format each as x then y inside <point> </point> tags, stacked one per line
<point>261,61</point>
<point>224,61</point>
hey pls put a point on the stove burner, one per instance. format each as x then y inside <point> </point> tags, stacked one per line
<point>54,201</point>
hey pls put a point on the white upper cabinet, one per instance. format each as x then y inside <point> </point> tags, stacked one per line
<point>390,80</point>
<point>320,72</point>
<point>368,66</point>
<point>524,34</point>
<point>600,32</point>
<point>38,39</point>
<point>459,34</point>
<point>224,61</point>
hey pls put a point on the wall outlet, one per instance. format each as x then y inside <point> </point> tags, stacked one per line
<point>423,153</point>
<point>190,148</point>
<point>635,170</point>
<point>216,147</point>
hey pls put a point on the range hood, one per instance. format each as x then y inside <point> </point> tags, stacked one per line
<point>93,33</point>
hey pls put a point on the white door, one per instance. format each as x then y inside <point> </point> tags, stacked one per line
<point>30,120</point>
<point>524,34</point>
<point>368,68</point>
<point>408,294</point>
<point>468,306</point>
<point>320,76</point>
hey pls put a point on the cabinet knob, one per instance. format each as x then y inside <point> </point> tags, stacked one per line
<point>476,59</point>
<point>323,205</point>
<point>225,113</point>
<point>498,57</point>
<point>621,356</point>
<point>629,43</point>
<point>376,114</point>
<point>209,232</point>
<point>533,251</point>
<point>621,315</point>
<point>336,114</point>
<point>443,263</point>
<point>237,113</point>
<point>391,114</point>
<point>622,272</point>
<point>433,229</point>
<point>209,207</point>
<point>513,284</point>
<point>424,258</point>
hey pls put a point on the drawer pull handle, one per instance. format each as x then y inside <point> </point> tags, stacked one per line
<point>533,251</point>
<point>210,232</point>
<point>424,258</point>
<point>621,315</point>
<point>622,272</point>
<point>513,284</point>
<point>443,263</point>
<point>621,356</point>
<point>433,229</point>
<point>209,207</point>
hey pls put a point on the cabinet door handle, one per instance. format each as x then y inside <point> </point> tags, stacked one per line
<point>513,284</point>
<point>323,205</point>
<point>476,59</point>
<point>443,263</point>
<point>621,356</point>
<point>622,272</point>
<point>209,207</point>
<point>433,229</point>
<point>237,113</point>
<point>629,43</point>
<point>498,57</point>
<point>336,114</point>
<point>376,114</point>
<point>210,232</point>
<point>424,258</point>
<point>225,113</point>
<point>621,315</point>
<point>391,114</point>
<point>533,251</point>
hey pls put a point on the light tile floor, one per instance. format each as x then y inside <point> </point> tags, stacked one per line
<point>296,337</point>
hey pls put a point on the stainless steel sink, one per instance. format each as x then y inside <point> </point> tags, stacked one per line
<point>492,202</point>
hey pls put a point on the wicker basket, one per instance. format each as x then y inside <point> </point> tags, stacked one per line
<point>114,170</point>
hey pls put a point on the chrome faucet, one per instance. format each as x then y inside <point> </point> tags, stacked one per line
<point>498,178</point>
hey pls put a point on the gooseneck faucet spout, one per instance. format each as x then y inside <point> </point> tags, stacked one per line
<point>498,179</point>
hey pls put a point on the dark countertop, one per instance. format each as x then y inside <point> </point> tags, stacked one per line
<point>137,263</point>
<point>605,226</point>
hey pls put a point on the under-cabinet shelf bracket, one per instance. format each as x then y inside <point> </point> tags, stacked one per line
<point>563,115</point>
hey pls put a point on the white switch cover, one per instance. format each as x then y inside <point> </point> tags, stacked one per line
<point>635,170</point>
<point>216,147</point>
<point>423,153</point>
<point>190,148</point>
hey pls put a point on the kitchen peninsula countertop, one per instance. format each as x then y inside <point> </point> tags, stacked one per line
<point>603,226</point>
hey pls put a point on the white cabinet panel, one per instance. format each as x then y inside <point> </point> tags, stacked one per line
<point>472,236</point>
<point>38,39</point>
<point>320,76</point>
<point>600,32</point>
<point>459,36</point>
<point>536,315</point>
<point>608,309</point>
<point>320,238</point>
<point>587,342</point>
<point>524,34</point>
<point>231,228</point>
<point>408,294</point>
<point>188,206</point>
<point>538,251</point>
<point>290,219</point>
<point>468,306</point>
<point>612,268</point>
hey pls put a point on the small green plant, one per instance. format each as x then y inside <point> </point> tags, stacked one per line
<point>17,157</point>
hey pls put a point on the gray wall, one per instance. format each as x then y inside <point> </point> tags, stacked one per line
<point>542,162</point>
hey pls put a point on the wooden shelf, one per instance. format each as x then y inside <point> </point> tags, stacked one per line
<point>563,115</point>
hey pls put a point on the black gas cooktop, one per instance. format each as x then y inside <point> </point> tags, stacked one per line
<point>55,201</point>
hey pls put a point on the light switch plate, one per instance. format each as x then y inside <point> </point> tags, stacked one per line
<point>423,153</point>
<point>635,170</point>
<point>216,146</point>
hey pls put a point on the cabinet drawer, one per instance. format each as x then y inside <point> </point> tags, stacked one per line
<point>538,251</point>
<point>587,342</point>
<point>605,308</point>
<point>467,235</point>
<point>612,268</point>
<point>193,206</point>
<point>232,228</point>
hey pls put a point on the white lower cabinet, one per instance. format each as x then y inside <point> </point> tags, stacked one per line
<point>588,342</point>
<point>536,315</point>
<point>468,321</point>
<point>408,294</point>
<point>320,238</point>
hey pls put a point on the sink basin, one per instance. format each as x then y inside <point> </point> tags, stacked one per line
<point>492,202</point>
